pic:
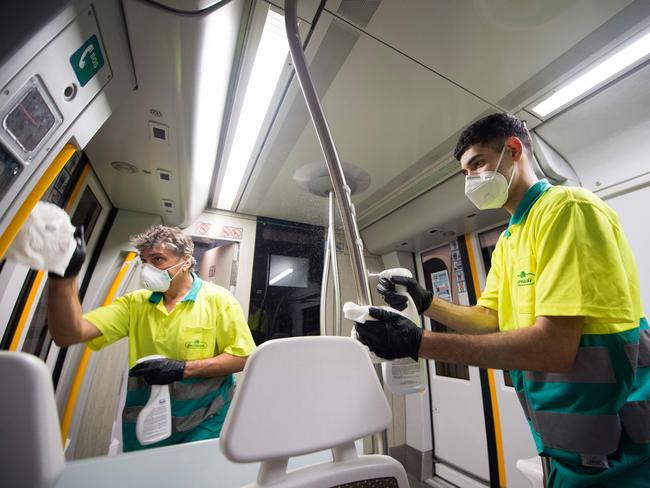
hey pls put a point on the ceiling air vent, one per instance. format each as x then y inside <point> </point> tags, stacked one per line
<point>158,133</point>
<point>123,167</point>
<point>164,175</point>
<point>167,205</point>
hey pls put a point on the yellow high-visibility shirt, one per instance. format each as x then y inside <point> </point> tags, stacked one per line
<point>564,254</point>
<point>207,322</point>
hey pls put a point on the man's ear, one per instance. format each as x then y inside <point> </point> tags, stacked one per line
<point>515,148</point>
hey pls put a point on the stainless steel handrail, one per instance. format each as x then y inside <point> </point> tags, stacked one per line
<point>334,266</point>
<point>341,189</point>
<point>323,287</point>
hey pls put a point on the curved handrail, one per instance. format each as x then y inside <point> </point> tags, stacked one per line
<point>341,189</point>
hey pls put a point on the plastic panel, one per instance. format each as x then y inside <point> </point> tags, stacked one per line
<point>301,395</point>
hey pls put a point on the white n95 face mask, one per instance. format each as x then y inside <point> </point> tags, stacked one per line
<point>490,188</point>
<point>155,279</point>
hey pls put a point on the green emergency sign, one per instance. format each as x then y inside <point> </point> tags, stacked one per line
<point>87,60</point>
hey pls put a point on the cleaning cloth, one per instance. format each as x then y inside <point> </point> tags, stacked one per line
<point>360,313</point>
<point>46,240</point>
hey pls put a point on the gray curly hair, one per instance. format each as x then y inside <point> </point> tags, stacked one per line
<point>171,238</point>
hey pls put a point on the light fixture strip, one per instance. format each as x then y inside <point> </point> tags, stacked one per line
<point>267,67</point>
<point>280,275</point>
<point>604,70</point>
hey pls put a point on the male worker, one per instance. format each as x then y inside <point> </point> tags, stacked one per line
<point>561,310</point>
<point>198,327</point>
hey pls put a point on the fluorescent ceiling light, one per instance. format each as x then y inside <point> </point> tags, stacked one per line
<point>280,275</point>
<point>607,68</point>
<point>269,61</point>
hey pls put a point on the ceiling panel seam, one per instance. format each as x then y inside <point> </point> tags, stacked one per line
<point>418,62</point>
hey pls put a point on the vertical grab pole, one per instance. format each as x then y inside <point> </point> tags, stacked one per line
<point>341,189</point>
<point>323,287</point>
<point>334,266</point>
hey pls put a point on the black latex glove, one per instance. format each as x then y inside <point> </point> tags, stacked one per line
<point>78,256</point>
<point>391,335</point>
<point>421,297</point>
<point>159,371</point>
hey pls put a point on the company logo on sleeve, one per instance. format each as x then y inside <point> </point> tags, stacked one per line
<point>525,279</point>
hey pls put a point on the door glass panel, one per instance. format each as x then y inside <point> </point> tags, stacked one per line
<point>444,275</point>
<point>38,339</point>
<point>287,274</point>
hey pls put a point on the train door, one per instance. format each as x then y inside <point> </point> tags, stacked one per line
<point>516,441</point>
<point>462,449</point>
<point>24,308</point>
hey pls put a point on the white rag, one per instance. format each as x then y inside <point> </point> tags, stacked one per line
<point>46,240</point>
<point>361,314</point>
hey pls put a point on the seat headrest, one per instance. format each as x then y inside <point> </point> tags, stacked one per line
<point>30,445</point>
<point>302,395</point>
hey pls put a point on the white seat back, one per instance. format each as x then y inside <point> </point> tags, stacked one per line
<point>30,439</point>
<point>307,394</point>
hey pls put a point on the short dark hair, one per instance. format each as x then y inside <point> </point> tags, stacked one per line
<point>492,131</point>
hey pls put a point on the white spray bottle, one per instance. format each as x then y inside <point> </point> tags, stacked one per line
<point>404,376</point>
<point>154,422</point>
<point>401,376</point>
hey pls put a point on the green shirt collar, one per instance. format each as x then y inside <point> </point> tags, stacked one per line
<point>156,296</point>
<point>531,196</point>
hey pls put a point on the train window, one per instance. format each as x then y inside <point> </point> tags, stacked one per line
<point>444,275</point>
<point>59,191</point>
<point>38,340</point>
<point>12,324</point>
<point>87,212</point>
<point>10,168</point>
<point>488,241</point>
<point>286,303</point>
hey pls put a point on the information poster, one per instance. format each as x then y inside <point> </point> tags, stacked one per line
<point>441,285</point>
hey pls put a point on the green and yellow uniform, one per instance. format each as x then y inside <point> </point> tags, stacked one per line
<point>565,254</point>
<point>207,322</point>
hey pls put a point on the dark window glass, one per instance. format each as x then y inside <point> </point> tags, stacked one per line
<point>436,269</point>
<point>38,339</point>
<point>287,274</point>
<point>10,168</point>
<point>87,212</point>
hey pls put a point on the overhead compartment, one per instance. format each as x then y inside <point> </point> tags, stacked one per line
<point>435,217</point>
<point>157,153</point>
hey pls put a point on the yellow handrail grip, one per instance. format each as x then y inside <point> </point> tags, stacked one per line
<point>36,194</point>
<point>22,321</point>
<point>110,296</point>
<point>77,188</point>
<point>70,405</point>
<point>496,419</point>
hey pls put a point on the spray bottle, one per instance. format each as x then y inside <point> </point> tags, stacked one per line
<point>404,376</point>
<point>154,422</point>
<point>401,376</point>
